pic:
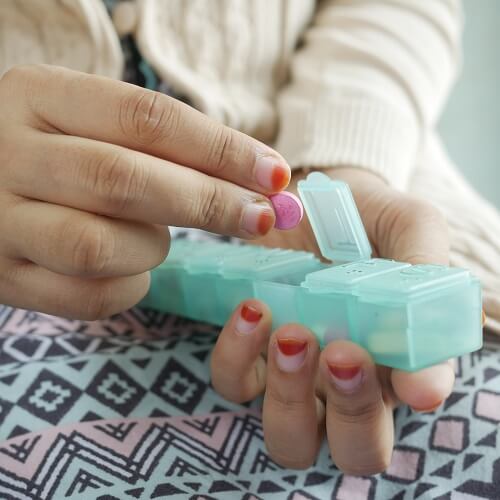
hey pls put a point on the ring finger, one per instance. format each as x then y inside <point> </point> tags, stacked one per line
<point>71,242</point>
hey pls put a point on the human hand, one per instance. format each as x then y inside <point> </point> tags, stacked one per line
<point>399,226</point>
<point>307,392</point>
<point>339,390</point>
<point>91,170</point>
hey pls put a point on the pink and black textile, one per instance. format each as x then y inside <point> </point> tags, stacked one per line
<point>123,409</point>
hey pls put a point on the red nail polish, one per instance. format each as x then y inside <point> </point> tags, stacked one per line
<point>265,222</point>
<point>344,372</point>
<point>250,314</point>
<point>280,178</point>
<point>291,347</point>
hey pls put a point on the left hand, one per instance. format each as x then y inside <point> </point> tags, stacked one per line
<point>339,390</point>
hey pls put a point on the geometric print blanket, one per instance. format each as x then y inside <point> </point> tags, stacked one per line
<point>123,409</point>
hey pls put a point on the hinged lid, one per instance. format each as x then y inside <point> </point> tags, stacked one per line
<point>334,218</point>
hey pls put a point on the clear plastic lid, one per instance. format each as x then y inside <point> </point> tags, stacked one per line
<point>211,262</point>
<point>334,218</point>
<point>414,280</point>
<point>347,277</point>
<point>265,264</point>
<point>181,250</point>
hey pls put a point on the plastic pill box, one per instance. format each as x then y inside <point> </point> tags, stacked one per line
<point>407,317</point>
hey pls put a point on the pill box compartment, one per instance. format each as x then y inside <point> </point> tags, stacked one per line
<point>262,275</point>
<point>203,271</point>
<point>419,316</point>
<point>282,292</point>
<point>328,297</point>
<point>167,293</point>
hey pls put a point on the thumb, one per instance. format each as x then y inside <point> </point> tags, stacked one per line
<point>412,230</point>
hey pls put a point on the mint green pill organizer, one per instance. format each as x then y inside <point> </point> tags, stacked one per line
<point>407,317</point>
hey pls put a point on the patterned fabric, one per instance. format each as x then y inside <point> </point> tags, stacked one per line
<point>123,409</point>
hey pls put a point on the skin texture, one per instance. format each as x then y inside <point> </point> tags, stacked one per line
<point>91,170</point>
<point>303,402</point>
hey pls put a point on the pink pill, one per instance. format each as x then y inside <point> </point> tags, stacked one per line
<point>288,209</point>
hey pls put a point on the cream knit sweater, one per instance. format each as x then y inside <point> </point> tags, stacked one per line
<point>332,82</point>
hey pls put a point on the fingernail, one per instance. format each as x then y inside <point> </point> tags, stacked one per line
<point>248,319</point>
<point>257,219</point>
<point>290,354</point>
<point>272,174</point>
<point>427,410</point>
<point>347,378</point>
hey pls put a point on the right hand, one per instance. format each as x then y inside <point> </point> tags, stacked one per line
<point>91,172</point>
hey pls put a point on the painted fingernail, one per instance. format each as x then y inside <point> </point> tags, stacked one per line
<point>290,354</point>
<point>257,219</point>
<point>347,378</point>
<point>248,319</point>
<point>272,174</point>
<point>428,409</point>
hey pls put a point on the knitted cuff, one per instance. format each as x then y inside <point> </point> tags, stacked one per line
<point>347,130</point>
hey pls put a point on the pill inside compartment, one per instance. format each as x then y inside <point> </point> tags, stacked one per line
<point>328,301</point>
<point>420,315</point>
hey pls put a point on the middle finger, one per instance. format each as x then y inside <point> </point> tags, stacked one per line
<point>293,417</point>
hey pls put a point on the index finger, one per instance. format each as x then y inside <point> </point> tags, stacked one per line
<point>120,113</point>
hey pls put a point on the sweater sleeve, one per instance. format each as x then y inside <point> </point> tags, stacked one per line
<point>368,83</point>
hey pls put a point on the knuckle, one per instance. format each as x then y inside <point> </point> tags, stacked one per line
<point>91,247</point>
<point>420,211</point>
<point>223,386</point>
<point>433,214</point>
<point>223,150</point>
<point>375,465</point>
<point>18,74</point>
<point>285,403</point>
<point>227,391</point>
<point>26,77</point>
<point>97,304</point>
<point>288,460</point>
<point>223,389</point>
<point>17,81</point>
<point>148,117</point>
<point>210,207</point>
<point>164,242</point>
<point>24,86</point>
<point>119,179</point>
<point>363,413</point>
<point>10,275</point>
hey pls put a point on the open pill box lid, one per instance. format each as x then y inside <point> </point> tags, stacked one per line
<point>334,218</point>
